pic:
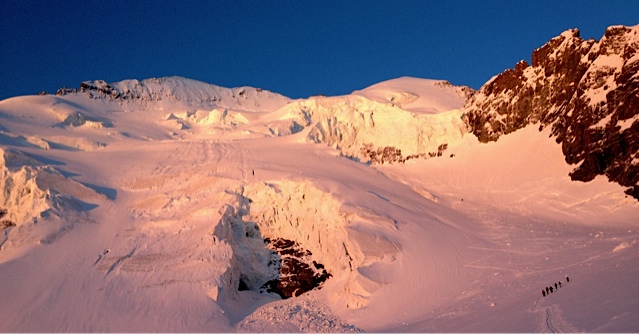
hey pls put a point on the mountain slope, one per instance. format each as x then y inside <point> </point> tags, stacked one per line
<point>587,91</point>
<point>418,95</point>
<point>181,91</point>
<point>189,207</point>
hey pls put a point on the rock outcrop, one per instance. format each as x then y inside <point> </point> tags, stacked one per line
<point>586,90</point>
<point>298,272</point>
<point>178,89</point>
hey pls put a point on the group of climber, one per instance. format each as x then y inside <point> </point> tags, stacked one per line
<point>549,289</point>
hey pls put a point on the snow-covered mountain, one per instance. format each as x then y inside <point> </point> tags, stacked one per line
<point>180,91</point>
<point>175,205</point>
<point>586,91</point>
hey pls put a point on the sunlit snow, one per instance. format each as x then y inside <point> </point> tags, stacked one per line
<point>146,213</point>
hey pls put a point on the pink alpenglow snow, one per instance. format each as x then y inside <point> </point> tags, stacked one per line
<point>172,205</point>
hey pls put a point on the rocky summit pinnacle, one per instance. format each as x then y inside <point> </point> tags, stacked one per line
<point>586,90</point>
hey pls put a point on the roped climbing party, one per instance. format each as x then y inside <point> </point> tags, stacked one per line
<point>550,289</point>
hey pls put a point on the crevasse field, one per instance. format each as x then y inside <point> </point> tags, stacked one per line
<point>147,213</point>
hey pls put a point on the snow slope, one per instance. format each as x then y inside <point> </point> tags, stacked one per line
<point>418,95</point>
<point>146,214</point>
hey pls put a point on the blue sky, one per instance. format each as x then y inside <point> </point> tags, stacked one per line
<point>296,48</point>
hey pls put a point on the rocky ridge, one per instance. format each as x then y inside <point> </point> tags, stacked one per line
<point>177,89</point>
<point>586,90</point>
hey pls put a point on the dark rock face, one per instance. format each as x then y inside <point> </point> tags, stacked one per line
<point>5,223</point>
<point>390,155</point>
<point>100,89</point>
<point>587,91</point>
<point>298,272</point>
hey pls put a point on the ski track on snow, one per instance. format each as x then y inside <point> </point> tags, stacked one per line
<point>550,318</point>
<point>119,261</point>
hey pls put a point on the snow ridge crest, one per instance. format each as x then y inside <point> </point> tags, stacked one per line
<point>173,89</point>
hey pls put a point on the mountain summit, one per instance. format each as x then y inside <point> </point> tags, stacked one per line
<point>178,90</point>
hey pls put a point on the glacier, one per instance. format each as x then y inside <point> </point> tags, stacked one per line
<point>144,205</point>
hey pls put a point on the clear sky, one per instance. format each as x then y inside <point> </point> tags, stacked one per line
<point>296,48</point>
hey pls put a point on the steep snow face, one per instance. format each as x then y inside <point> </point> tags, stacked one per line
<point>381,131</point>
<point>523,173</point>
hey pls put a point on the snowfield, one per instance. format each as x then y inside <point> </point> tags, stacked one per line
<point>145,205</point>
